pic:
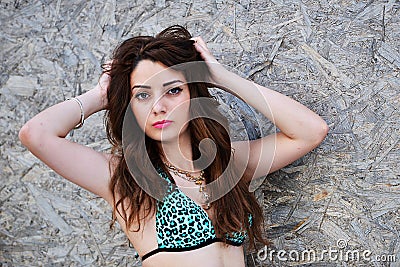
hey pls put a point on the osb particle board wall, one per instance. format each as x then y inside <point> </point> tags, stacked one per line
<point>339,58</point>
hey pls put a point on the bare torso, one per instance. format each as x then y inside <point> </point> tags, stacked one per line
<point>214,255</point>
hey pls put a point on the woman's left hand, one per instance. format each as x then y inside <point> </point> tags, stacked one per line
<point>202,48</point>
<point>213,65</point>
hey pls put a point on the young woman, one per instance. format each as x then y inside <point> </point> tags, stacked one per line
<point>163,182</point>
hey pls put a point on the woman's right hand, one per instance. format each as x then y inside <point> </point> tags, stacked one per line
<point>102,87</point>
<point>103,84</point>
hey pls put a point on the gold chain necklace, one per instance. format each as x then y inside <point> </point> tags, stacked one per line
<point>198,180</point>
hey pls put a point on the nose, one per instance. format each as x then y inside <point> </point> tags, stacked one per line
<point>159,107</point>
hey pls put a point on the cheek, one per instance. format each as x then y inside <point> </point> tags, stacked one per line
<point>182,105</point>
<point>140,114</point>
<point>186,109</point>
<point>179,112</point>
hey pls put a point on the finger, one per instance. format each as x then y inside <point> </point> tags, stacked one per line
<point>198,40</point>
<point>107,65</point>
<point>201,42</point>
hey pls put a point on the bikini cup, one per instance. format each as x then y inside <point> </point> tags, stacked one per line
<point>182,225</point>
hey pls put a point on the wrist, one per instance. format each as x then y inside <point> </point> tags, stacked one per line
<point>82,119</point>
<point>224,78</point>
<point>91,102</point>
<point>101,96</point>
<point>218,73</point>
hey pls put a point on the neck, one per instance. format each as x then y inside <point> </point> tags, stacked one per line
<point>179,153</point>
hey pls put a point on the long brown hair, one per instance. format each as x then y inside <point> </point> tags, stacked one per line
<point>171,47</point>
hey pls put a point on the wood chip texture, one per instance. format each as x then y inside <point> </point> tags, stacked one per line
<point>339,58</point>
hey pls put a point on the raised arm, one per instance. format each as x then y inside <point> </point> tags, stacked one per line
<point>44,135</point>
<point>301,130</point>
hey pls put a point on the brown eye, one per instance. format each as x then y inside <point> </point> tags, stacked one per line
<point>175,91</point>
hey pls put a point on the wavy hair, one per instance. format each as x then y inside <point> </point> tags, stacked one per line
<point>171,47</point>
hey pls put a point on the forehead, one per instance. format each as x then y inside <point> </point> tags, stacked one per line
<point>148,72</point>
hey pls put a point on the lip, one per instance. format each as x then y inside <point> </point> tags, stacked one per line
<point>161,124</point>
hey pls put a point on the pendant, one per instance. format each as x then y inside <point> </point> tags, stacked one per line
<point>199,182</point>
<point>205,197</point>
<point>206,207</point>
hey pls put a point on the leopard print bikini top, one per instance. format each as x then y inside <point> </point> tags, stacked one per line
<point>182,225</point>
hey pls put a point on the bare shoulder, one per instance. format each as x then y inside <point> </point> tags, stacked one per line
<point>241,157</point>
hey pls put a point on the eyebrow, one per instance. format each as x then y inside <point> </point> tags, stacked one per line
<point>149,87</point>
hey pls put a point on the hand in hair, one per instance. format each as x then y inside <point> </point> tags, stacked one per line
<point>103,84</point>
<point>202,48</point>
<point>213,65</point>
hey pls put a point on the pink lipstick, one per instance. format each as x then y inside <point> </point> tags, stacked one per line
<point>161,124</point>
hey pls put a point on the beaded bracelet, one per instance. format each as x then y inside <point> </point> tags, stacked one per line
<point>80,124</point>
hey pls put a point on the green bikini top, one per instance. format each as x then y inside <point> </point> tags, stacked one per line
<point>182,225</point>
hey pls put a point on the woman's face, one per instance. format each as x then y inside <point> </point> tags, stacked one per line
<point>161,101</point>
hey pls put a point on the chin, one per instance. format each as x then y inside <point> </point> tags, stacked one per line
<point>162,138</point>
